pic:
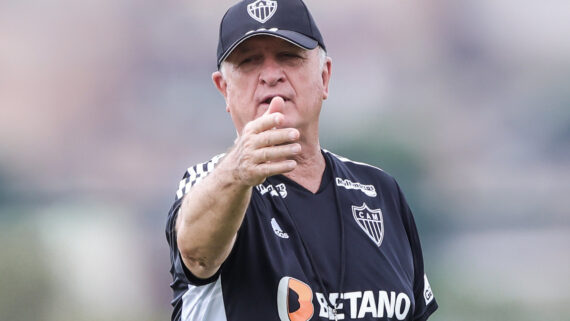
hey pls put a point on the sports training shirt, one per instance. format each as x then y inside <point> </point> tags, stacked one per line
<point>351,251</point>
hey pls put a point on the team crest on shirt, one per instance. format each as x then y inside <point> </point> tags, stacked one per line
<point>370,221</point>
<point>262,10</point>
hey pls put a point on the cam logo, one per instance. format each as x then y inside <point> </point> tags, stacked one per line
<point>294,300</point>
<point>262,10</point>
<point>370,221</point>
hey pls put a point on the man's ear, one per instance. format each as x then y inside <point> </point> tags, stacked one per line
<point>326,75</point>
<point>221,85</point>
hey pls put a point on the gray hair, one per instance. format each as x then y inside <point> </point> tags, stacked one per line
<point>322,56</point>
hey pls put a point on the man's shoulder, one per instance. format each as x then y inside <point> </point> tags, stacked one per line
<point>196,173</point>
<point>358,168</point>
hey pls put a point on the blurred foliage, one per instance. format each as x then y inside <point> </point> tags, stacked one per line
<point>25,288</point>
<point>5,192</point>
<point>457,302</point>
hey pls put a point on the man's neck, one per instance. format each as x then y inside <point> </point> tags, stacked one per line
<point>310,167</point>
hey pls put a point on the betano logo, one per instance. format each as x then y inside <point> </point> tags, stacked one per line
<point>295,303</point>
<point>304,300</point>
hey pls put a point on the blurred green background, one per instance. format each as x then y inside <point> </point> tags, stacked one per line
<point>104,104</point>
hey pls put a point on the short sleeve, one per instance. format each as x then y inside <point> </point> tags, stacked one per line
<point>180,274</point>
<point>423,295</point>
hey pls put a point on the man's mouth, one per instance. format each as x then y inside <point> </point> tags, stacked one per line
<point>268,99</point>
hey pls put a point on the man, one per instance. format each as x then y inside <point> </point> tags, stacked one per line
<point>278,228</point>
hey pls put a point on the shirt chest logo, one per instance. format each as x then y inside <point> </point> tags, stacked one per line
<point>370,221</point>
<point>369,190</point>
<point>278,190</point>
<point>277,229</point>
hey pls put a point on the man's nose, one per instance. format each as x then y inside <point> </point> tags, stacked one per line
<point>271,73</point>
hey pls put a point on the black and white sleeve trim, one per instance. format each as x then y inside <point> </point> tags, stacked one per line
<point>195,174</point>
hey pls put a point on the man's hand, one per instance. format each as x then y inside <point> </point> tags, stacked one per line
<point>207,224</point>
<point>263,149</point>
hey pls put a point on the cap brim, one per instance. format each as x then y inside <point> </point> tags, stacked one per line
<point>293,37</point>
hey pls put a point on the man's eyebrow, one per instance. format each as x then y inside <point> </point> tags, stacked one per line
<point>294,47</point>
<point>243,49</point>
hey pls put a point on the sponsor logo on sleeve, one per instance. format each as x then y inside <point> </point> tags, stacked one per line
<point>428,294</point>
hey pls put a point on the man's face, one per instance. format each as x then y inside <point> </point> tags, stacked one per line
<point>263,67</point>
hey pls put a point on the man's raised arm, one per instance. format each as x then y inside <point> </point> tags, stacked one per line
<point>212,212</point>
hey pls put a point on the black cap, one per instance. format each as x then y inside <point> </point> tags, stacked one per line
<point>286,19</point>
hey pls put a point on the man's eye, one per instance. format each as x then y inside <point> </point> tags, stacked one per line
<point>245,61</point>
<point>290,55</point>
<point>250,60</point>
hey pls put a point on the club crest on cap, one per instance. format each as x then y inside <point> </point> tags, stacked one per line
<point>262,10</point>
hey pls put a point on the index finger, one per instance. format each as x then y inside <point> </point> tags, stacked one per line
<point>263,123</point>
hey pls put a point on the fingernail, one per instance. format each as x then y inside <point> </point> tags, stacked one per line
<point>292,164</point>
<point>293,134</point>
<point>296,148</point>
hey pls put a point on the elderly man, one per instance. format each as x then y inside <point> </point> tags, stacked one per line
<point>278,228</point>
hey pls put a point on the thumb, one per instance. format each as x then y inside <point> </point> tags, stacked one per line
<point>276,105</point>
